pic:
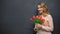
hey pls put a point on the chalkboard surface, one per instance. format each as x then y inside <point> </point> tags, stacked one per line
<point>15,15</point>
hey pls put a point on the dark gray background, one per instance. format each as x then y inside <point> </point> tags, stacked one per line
<point>15,14</point>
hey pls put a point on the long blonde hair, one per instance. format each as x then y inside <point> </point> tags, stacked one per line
<point>43,5</point>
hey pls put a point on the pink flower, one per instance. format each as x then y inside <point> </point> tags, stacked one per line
<point>42,19</point>
<point>37,17</point>
<point>31,19</point>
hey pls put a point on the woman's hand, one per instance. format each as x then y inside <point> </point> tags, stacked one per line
<point>39,26</point>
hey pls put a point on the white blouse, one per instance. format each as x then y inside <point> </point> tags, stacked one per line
<point>47,29</point>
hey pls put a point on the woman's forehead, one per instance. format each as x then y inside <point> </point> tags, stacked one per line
<point>39,6</point>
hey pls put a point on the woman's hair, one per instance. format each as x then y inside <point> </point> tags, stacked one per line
<point>43,5</point>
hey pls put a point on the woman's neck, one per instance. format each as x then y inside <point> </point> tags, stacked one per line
<point>43,14</point>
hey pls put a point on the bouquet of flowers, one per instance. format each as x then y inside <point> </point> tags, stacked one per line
<point>36,19</point>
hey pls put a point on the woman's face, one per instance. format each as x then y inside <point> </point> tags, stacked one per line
<point>40,9</point>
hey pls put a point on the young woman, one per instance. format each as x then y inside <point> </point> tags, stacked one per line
<point>47,26</point>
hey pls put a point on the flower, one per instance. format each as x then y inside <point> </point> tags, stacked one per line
<point>36,19</point>
<point>31,19</point>
<point>42,19</point>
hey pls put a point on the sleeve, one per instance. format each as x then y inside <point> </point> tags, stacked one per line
<point>35,25</point>
<point>50,23</point>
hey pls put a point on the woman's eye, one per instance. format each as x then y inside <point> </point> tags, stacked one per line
<point>37,8</point>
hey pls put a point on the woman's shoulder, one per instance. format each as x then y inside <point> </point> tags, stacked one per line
<point>49,16</point>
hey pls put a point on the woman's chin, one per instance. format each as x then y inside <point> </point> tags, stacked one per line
<point>40,13</point>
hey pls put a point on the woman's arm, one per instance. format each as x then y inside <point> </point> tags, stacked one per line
<point>50,23</point>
